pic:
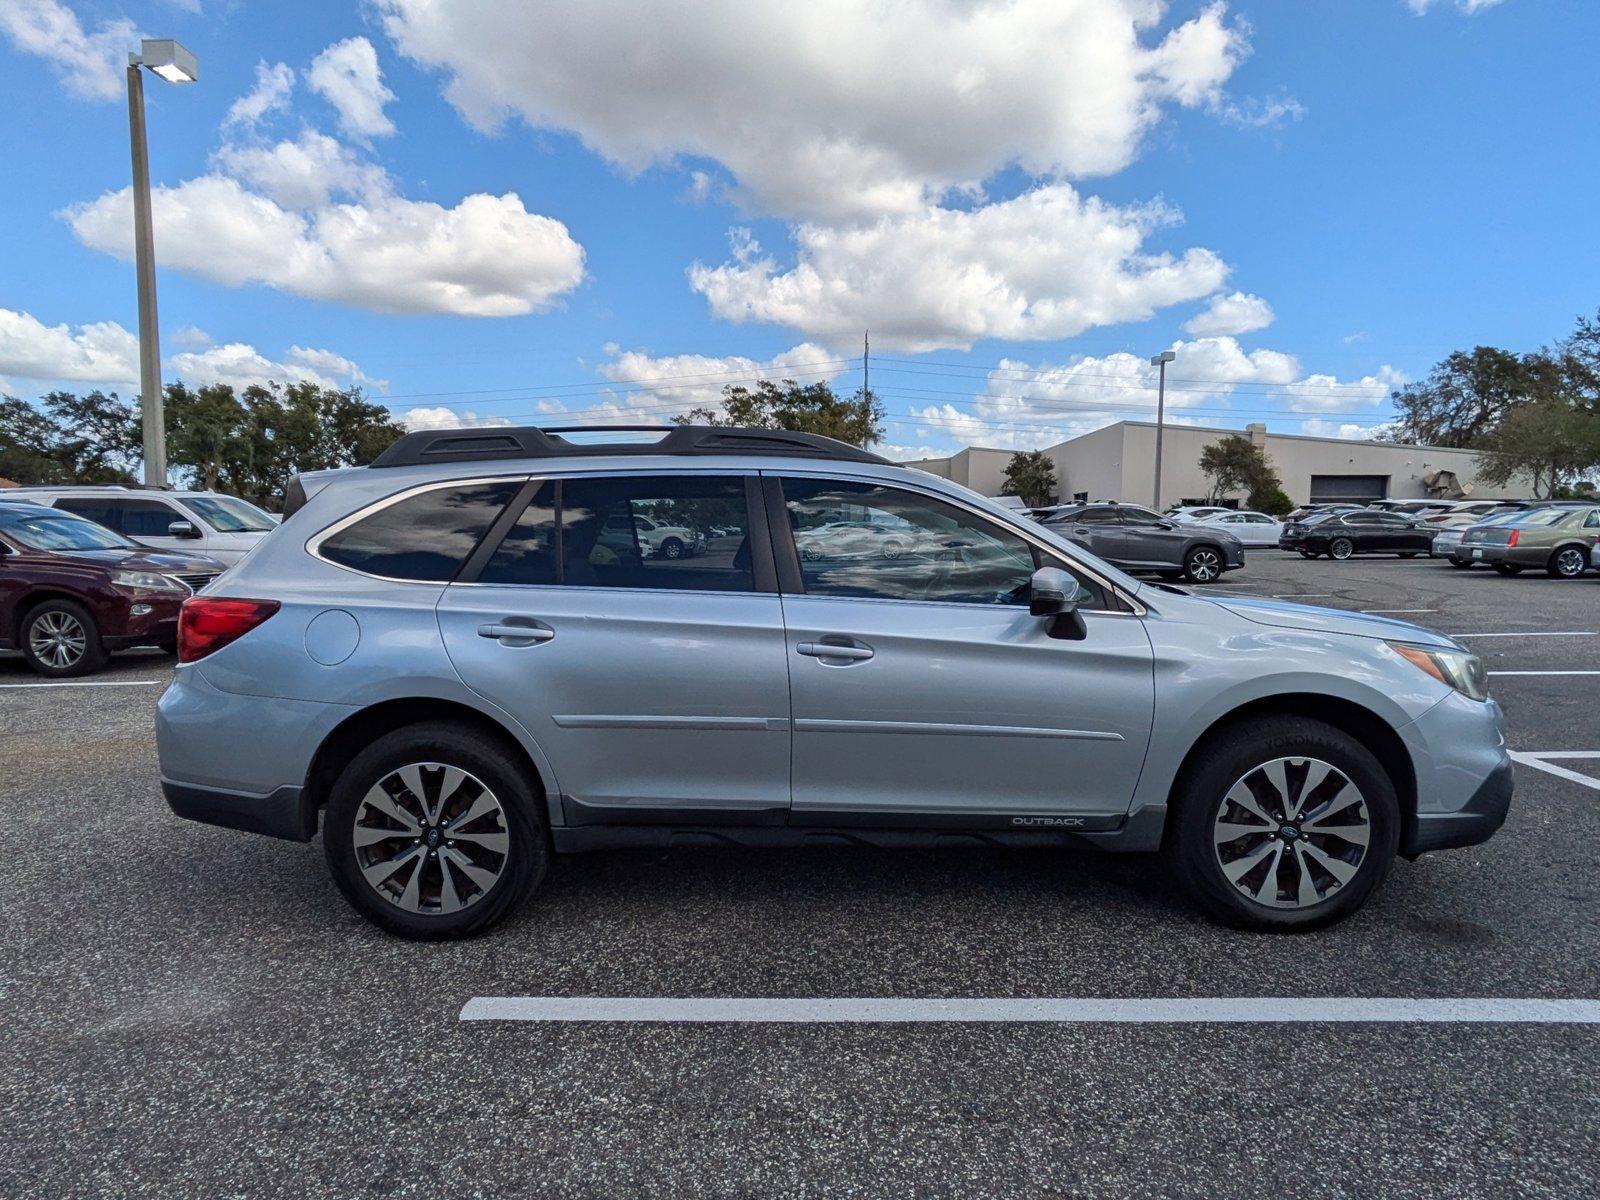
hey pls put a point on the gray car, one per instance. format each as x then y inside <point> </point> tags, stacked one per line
<point>1137,539</point>
<point>440,663</point>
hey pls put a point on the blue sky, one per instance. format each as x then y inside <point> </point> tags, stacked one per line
<point>502,210</point>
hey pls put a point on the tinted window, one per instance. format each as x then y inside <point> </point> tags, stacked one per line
<point>41,529</point>
<point>681,532</point>
<point>1095,516</point>
<point>901,545</point>
<point>145,518</point>
<point>425,537</point>
<point>94,510</point>
<point>1138,516</point>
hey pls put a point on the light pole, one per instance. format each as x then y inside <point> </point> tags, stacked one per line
<point>1161,360</point>
<point>173,63</point>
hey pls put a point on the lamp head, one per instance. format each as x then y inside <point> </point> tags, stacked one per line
<point>1165,356</point>
<point>168,59</point>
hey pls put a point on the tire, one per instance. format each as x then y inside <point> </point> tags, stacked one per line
<point>1203,564</point>
<point>500,856</point>
<point>1341,548</point>
<point>1458,564</point>
<point>892,550</point>
<point>1308,554</point>
<point>1273,897</point>
<point>1568,562</point>
<point>672,548</point>
<point>60,640</point>
<point>1408,553</point>
<point>1508,568</point>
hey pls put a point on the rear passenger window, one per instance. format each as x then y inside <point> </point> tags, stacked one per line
<point>423,537</point>
<point>145,518</point>
<point>688,532</point>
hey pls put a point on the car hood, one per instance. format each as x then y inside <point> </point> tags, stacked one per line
<point>147,560</point>
<point>1316,619</point>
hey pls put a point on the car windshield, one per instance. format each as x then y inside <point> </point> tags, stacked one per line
<point>226,514</point>
<point>38,529</point>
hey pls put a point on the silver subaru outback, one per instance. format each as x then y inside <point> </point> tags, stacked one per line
<point>470,656</point>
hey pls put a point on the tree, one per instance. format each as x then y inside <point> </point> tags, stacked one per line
<point>1273,501</point>
<point>1463,399</point>
<point>1236,464</point>
<point>28,444</point>
<point>98,436</point>
<point>1550,440</point>
<point>1031,475</point>
<point>813,408</point>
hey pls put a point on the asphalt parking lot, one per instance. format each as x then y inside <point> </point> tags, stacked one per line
<point>195,1012</point>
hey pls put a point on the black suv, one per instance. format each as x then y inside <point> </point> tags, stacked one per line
<point>1136,539</point>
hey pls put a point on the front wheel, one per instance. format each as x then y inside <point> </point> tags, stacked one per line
<point>60,640</point>
<point>435,832</point>
<point>1284,823</point>
<point>1203,564</point>
<point>1568,562</point>
<point>1341,548</point>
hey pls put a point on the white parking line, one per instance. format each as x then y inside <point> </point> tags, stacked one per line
<point>1497,673</point>
<point>1304,595</point>
<point>1532,633</point>
<point>1399,610</point>
<point>1054,1010</point>
<point>89,683</point>
<point>1542,762</point>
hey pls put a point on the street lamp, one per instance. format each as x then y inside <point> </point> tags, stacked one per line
<point>172,62</point>
<point>1161,360</point>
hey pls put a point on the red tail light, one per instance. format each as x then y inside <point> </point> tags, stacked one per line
<point>208,623</point>
<point>1513,540</point>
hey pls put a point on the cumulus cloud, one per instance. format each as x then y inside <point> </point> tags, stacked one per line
<point>302,172</point>
<point>274,83</point>
<point>89,65</point>
<point>832,107</point>
<point>347,76</point>
<point>1317,427</point>
<point>485,257</point>
<point>696,380</point>
<point>1047,264</point>
<point>440,417</point>
<point>103,352</point>
<point>1238,312</point>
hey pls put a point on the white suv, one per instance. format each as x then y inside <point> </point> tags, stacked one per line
<point>186,522</point>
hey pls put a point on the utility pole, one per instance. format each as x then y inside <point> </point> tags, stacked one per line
<point>866,364</point>
<point>1160,361</point>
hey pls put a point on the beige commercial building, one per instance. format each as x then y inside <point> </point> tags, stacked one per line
<point>1118,463</point>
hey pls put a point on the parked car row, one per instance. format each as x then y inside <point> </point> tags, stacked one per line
<point>1134,538</point>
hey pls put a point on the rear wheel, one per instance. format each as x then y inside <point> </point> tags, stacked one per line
<point>1285,823</point>
<point>1341,548</point>
<point>1457,563</point>
<point>61,640</point>
<point>1568,562</point>
<point>435,832</point>
<point>1508,568</point>
<point>1203,564</point>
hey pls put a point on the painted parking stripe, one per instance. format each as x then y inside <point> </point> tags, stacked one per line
<point>1545,762</point>
<point>1048,1010</point>
<point>1375,611</point>
<point>18,687</point>
<point>1499,673</point>
<point>1531,633</point>
<point>1304,595</point>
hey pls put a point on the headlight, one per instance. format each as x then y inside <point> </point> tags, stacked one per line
<point>1453,668</point>
<point>145,581</point>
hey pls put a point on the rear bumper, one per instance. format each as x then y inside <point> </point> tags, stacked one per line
<point>278,814</point>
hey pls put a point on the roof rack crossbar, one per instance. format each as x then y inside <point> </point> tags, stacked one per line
<point>533,441</point>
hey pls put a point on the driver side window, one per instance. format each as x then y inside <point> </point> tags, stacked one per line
<point>870,540</point>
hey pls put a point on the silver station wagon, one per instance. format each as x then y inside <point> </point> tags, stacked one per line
<point>475,654</point>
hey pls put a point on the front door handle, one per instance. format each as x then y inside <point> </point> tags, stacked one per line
<point>508,634</point>
<point>828,650</point>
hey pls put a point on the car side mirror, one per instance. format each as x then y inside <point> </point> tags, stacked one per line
<point>1053,593</point>
<point>182,529</point>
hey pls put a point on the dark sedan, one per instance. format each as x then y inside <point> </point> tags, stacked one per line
<point>1137,539</point>
<point>72,591</point>
<point>1342,534</point>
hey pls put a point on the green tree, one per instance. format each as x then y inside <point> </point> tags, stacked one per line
<point>28,445</point>
<point>1273,501</point>
<point>1236,464</point>
<point>812,408</point>
<point>1463,399</point>
<point>99,436</point>
<point>1031,475</point>
<point>1550,440</point>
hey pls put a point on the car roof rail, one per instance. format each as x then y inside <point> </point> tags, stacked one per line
<point>70,487</point>
<point>533,441</point>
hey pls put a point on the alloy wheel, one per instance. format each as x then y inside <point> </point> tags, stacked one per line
<point>1341,549</point>
<point>431,838</point>
<point>1570,563</point>
<point>58,640</point>
<point>1291,832</point>
<point>1204,566</point>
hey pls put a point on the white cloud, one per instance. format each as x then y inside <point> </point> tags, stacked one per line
<point>1047,264</point>
<point>89,65</point>
<point>1335,429</point>
<point>347,76</point>
<point>99,352</point>
<point>1238,312</point>
<point>305,172</point>
<point>696,380</point>
<point>832,107</point>
<point>274,83</point>
<point>1256,113</point>
<point>1328,394</point>
<point>103,352</point>
<point>485,257</point>
<point>1469,7</point>
<point>439,417</point>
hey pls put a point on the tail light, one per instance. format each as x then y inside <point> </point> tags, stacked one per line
<point>1514,534</point>
<point>208,623</point>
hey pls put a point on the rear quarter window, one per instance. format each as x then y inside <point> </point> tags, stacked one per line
<point>425,537</point>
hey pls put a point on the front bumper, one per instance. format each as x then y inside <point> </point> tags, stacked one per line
<point>1476,821</point>
<point>1463,775</point>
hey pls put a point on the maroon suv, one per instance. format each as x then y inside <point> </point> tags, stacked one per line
<point>72,591</point>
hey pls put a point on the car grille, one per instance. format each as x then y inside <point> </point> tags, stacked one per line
<point>196,580</point>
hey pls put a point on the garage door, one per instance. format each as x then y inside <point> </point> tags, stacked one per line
<point>1356,489</point>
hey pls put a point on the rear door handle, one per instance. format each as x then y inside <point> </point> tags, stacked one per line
<point>508,634</point>
<point>828,650</point>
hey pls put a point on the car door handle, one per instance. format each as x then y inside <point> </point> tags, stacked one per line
<point>516,635</point>
<point>829,650</point>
